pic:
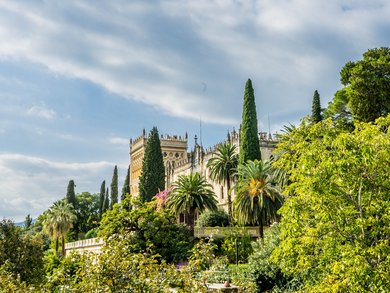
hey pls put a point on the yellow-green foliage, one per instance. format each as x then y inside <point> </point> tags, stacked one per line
<point>336,222</point>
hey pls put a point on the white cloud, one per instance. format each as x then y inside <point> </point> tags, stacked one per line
<point>42,112</point>
<point>119,141</point>
<point>285,46</point>
<point>31,184</point>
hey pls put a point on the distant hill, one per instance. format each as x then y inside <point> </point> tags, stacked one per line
<point>21,224</point>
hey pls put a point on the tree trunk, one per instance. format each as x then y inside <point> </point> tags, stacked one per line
<point>63,245</point>
<point>261,227</point>
<point>57,245</point>
<point>229,198</point>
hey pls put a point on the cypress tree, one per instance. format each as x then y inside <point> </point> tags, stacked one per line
<point>114,188</point>
<point>316,108</point>
<point>70,194</point>
<point>152,179</point>
<point>126,185</point>
<point>102,197</point>
<point>106,204</point>
<point>249,137</point>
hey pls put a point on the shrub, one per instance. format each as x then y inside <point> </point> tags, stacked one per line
<point>213,219</point>
<point>267,274</point>
<point>228,247</point>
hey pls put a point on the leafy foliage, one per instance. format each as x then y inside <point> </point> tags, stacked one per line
<point>223,166</point>
<point>152,179</point>
<point>339,110</point>
<point>218,218</point>
<point>249,139</point>
<point>335,231</point>
<point>367,84</point>
<point>244,246</point>
<point>267,274</point>
<point>20,256</point>
<point>87,213</point>
<point>145,229</point>
<point>116,269</point>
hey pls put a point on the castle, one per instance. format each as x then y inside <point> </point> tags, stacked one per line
<point>178,161</point>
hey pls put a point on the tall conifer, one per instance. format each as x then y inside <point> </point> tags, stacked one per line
<point>126,185</point>
<point>152,179</point>
<point>114,188</point>
<point>102,197</point>
<point>249,137</point>
<point>106,204</point>
<point>316,108</point>
<point>70,194</point>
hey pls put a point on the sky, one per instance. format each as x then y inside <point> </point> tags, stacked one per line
<point>78,79</point>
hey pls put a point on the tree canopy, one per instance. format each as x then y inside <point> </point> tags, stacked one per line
<point>334,229</point>
<point>152,179</point>
<point>191,192</point>
<point>257,200</point>
<point>222,168</point>
<point>249,137</point>
<point>367,85</point>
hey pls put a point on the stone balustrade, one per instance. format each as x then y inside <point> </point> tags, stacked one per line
<point>216,232</point>
<point>87,245</point>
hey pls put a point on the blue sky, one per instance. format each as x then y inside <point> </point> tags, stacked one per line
<point>78,79</point>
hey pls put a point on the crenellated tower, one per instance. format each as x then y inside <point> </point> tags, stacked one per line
<point>174,149</point>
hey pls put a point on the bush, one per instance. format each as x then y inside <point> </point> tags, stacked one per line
<point>228,247</point>
<point>267,274</point>
<point>146,229</point>
<point>242,277</point>
<point>213,219</point>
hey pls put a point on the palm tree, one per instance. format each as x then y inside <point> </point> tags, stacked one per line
<point>223,167</point>
<point>58,220</point>
<point>256,200</point>
<point>191,192</point>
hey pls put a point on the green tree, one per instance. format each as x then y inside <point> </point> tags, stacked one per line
<point>58,220</point>
<point>217,218</point>
<point>114,188</point>
<point>267,274</point>
<point>190,193</point>
<point>102,196</point>
<point>222,168</point>
<point>249,137</point>
<point>152,179</point>
<point>106,204</point>
<point>334,231</point>
<point>367,84</point>
<point>87,213</point>
<point>20,255</point>
<point>117,269</point>
<point>146,229</point>
<point>28,222</point>
<point>256,200</point>
<point>126,185</point>
<point>70,194</point>
<point>339,110</point>
<point>316,115</point>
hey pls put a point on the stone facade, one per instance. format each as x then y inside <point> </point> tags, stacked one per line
<point>178,161</point>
